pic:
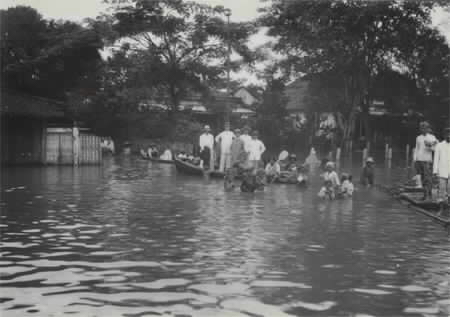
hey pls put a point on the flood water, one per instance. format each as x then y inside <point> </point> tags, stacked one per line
<point>134,239</point>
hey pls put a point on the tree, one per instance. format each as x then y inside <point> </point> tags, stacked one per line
<point>182,45</point>
<point>272,113</point>
<point>346,45</point>
<point>47,58</point>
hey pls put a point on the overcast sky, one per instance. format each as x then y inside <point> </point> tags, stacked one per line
<point>242,10</point>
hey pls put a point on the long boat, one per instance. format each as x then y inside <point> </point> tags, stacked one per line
<point>157,160</point>
<point>191,169</point>
<point>411,197</point>
<point>187,168</point>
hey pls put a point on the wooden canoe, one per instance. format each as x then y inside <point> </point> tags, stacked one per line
<point>187,168</point>
<point>157,160</point>
<point>412,199</point>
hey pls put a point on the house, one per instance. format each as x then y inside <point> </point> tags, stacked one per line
<point>36,130</point>
<point>210,109</point>
<point>247,98</point>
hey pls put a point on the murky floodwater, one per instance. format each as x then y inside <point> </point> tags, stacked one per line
<point>135,239</point>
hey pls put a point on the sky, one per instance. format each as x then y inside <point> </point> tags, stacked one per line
<point>242,10</point>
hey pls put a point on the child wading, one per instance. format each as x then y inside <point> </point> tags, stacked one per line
<point>368,173</point>
<point>347,187</point>
<point>331,182</point>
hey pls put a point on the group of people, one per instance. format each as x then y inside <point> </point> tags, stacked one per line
<point>238,148</point>
<point>432,161</point>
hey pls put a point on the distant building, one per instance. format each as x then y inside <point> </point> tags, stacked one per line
<point>36,130</point>
<point>208,109</point>
<point>247,98</point>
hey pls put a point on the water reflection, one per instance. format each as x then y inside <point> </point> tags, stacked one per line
<point>132,238</point>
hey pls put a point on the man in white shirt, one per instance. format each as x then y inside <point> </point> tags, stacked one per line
<point>246,138</point>
<point>225,138</point>
<point>423,157</point>
<point>255,148</point>
<point>441,166</point>
<point>206,148</point>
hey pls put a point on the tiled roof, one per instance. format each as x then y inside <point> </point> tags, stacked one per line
<point>19,104</point>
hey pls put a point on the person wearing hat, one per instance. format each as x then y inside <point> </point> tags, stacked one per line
<point>441,166</point>
<point>206,143</point>
<point>255,149</point>
<point>331,182</point>
<point>423,157</point>
<point>224,139</point>
<point>368,173</point>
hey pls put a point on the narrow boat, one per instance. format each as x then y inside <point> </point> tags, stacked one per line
<point>157,160</point>
<point>187,168</point>
<point>411,197</point>
<point>191,169</point>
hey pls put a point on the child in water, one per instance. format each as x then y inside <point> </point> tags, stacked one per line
<point>331,182</point>
<point>347,187</point>
<point>302,178</point>
<point>368,173</point>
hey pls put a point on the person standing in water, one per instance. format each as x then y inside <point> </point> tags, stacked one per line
<point>206,143</point>
<point>225,138</point>
<point>255,148</point>
<point>423,157</point>
<point>441,167</point>
<point>246,138</point>
<point>238,153</point>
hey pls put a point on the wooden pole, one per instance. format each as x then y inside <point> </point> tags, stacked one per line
<point>364,157</point>
<point>338,154</point>
<point>407,155</point>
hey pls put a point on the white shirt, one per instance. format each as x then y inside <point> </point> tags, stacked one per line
<point>347,187</point>
<point>246,139</point>
<point>225,138</point>
<point>424,153</point>
<point>255,148</point>
<point>441,164</point>
<point>206,140</point>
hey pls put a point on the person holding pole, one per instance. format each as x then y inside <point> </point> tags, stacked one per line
<point>423,158</point>
<point>441,166</point>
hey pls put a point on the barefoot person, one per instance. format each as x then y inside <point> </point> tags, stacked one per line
<point>441,166</point>
<point>255,148</point>
<point>423,157</point>
<point>206,143</point>
<point>224,139</point>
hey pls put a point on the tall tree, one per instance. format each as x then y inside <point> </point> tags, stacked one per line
<point>183,45</point>
<point>46,58</point>
<point>349,43</point>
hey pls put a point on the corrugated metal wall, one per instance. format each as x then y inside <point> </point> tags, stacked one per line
<point>60,148</point>
<point>91,152</point>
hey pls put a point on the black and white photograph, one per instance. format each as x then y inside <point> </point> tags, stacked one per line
<point>229,158</point>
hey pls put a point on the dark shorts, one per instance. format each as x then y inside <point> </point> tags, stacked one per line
<point>425,170</point>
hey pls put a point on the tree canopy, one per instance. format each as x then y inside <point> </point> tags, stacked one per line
<point>181,46</point>
<point>45,57</point>
<point>345,46</point>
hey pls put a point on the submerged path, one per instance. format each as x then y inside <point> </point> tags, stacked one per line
<point>133,239</point>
